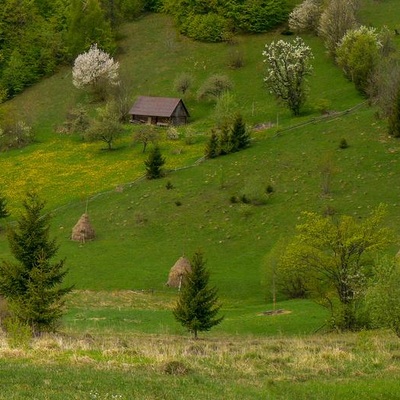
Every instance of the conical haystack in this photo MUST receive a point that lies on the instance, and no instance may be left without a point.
(178, 272)
(83, 230)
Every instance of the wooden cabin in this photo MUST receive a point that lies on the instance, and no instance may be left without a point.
(159, 111)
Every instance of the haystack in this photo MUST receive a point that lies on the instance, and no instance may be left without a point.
(83, 230)
(178, 273)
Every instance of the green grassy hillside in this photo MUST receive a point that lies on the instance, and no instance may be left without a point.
(119, 339)
(140, 230)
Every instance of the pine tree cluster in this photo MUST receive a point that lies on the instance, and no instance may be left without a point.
(229, 139)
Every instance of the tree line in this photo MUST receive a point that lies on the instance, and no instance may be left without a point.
(38, 35)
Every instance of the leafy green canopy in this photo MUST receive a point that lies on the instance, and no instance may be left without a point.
(332, 259)
(213, 21)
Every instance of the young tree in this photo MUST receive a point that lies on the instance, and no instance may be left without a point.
(183, 83)
(240, 136)
(106, 127)
(154, 164)
(338, 17)
(146, 134)
(95, 70)
(197, 306)
(334, 257)
(288, 64)
(225, 110)
(212, 149)
(32, 285)
(358, 54)
(3, 207)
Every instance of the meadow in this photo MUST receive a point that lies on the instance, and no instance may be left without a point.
(119, 338)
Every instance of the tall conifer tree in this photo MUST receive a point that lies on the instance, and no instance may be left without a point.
(32, 285)
(197, 306)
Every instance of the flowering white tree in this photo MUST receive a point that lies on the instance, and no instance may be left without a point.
(94, 69)
(288, 64)
(305, 16)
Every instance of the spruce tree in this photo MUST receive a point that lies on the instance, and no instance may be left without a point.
(212, 146)
(197, 306)
(225, 140)
(154, 164)
(240, 137)
(32, 285)
(3, 207)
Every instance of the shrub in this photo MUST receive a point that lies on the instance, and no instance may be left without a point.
(175, 368)
(235, 59)
(214, 87)
(343, 144)
(322, 106)
(19, 334)
(206, 27)
(269, 190)
(258, 16)
(183, 83)
(77, 121)
(15, 134)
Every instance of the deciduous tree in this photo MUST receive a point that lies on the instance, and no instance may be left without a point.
(334, 255)
(87, 24)
(95, 69)
(197, 307)
(337, 18)
(146, 134)
(358, 55)
(288, 64)
(106, 127)
(305, 17)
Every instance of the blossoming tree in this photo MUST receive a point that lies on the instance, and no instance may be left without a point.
(95, 69)
(288, 64)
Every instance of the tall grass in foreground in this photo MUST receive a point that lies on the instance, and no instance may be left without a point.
(169, 367)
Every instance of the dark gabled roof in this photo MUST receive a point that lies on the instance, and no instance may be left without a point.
(155, 106)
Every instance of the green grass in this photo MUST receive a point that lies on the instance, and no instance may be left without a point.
(145, 367)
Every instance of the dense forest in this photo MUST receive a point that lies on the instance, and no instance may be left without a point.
(38, 35)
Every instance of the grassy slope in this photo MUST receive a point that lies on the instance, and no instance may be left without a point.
(141, 233)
